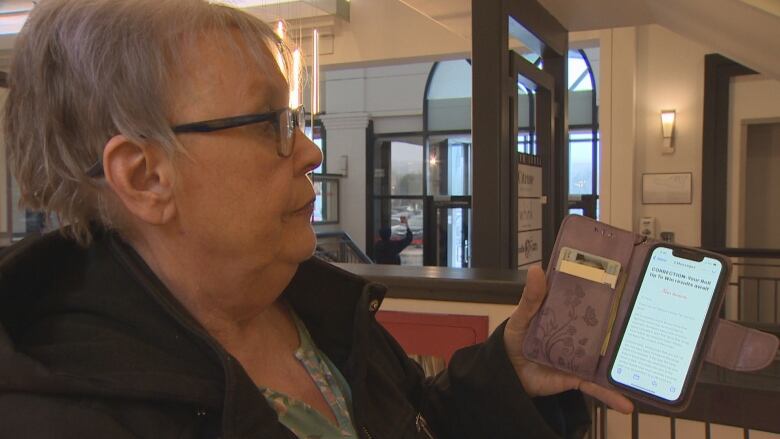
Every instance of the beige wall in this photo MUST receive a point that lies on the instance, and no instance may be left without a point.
(762, 189)
(670, 75)
(754, 99)
(617, 121)
(384, 31)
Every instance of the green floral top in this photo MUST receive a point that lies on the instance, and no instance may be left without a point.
(301, 418)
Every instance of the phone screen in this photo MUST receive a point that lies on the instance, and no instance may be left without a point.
(665, 323)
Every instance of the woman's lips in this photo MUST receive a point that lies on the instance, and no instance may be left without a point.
(307, 210)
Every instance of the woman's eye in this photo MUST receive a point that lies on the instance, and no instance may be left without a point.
(265, 129)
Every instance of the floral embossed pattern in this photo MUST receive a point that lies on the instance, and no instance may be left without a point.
(568, 331)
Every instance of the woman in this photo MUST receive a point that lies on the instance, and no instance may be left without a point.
(181, 300)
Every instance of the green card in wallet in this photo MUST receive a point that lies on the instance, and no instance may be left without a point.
(637, 315)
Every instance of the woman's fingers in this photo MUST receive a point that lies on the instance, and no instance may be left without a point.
(531, 300)
(609, 397)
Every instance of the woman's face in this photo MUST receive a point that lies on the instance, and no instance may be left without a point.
(235, 196)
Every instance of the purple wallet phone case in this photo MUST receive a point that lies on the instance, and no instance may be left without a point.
(569, 330)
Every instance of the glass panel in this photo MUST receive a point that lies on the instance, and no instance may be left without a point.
(327, 202)
(458, 223)
(525, 103)
(593, 55)
(580, 163)
(526, 116)
(449, 165)
(388, 213)
(526, 143)
(579, 76)
(406, 168)
(449, 96)
(412, 210)
(315, 135)
(517, 32)
(580, 90)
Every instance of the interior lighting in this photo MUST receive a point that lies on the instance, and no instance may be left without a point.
(668, 118)
(315, 75)
(280, 29)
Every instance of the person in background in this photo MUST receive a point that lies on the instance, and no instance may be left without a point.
(388, 251)
(181, 299)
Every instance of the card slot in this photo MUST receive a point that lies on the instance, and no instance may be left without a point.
(596, 238)
(568, 331)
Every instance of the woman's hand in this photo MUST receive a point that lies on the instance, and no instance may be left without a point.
(537, 379)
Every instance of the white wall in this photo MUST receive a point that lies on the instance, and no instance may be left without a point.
(617, 121)
(670, 75)
(385, 31)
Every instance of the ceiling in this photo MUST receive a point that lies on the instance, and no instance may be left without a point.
(747, 31)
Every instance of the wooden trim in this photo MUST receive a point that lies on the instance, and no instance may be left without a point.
(557, 189)
(729, 404)
(718, 71)
(530, 71)
(494, 149)
(370, 147)
(766, 253)
(492, 174)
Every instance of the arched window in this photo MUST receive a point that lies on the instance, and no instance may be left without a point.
(411, 168)
(448, 96)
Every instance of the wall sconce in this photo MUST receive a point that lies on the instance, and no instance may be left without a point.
(667, 129)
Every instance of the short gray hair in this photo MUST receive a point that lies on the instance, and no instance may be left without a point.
(86, 70)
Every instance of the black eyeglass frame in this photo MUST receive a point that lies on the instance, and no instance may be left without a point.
(296, 118)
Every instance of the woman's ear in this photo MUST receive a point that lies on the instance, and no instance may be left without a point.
(141, 176)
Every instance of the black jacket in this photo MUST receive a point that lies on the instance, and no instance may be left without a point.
(388, 251)
(92, 345)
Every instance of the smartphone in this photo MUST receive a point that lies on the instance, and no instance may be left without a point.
(679, 292)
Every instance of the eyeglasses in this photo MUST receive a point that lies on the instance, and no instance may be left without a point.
(285, 121)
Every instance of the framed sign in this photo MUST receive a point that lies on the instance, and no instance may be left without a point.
(529, 248)
(667, 188)
(529, 181)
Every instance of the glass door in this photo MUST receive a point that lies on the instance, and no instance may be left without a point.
(448, 230)
(398, 201)
(532, 117)
(448, 201)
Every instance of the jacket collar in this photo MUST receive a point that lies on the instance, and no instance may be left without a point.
(121, 332)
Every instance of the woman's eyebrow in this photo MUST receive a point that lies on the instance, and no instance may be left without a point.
(268, 99)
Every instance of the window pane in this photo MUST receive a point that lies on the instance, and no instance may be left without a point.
(449, 96)
(449, 165)
(406, 168)
(412, 209)
(327, 202)
(315, 135)
(580, 163)
(526, 143)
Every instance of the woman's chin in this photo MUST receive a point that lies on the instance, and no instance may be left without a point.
(302, 245)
